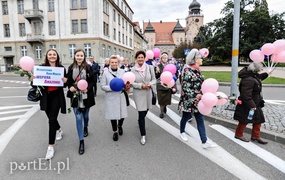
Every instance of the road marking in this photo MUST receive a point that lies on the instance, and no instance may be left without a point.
(10, 118)
(6, 137)
(251, 147)
(15, 111)
(12, 81)
(14, 107)
(217, 155)
(26, 87)
(9, 97)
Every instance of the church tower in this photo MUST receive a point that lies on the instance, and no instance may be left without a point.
(194, 21)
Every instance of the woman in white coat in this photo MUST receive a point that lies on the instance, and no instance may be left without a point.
(115, 102)
(145, 79)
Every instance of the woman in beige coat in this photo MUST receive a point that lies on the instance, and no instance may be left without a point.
(145, 79)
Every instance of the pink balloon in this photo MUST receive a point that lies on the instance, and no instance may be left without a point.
(165, 77)
(209, 99)
(204, 109)
(129, 76)
(27, 63)
(256, 56)
(171, 68)
(279, 45)
(121, 59)
(82, 84)
(268, 49)
(204, 52)
(273, 58)
(149, 54)
(170, 84)
(210, 85)
(156, 52)
(222, 98)
(280, 57)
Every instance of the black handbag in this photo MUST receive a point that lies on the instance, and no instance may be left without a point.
(153, 100)
(34, 94)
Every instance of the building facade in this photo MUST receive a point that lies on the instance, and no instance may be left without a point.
(31, 27)
(167, 35)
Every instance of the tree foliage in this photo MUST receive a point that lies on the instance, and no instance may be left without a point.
(257, 27)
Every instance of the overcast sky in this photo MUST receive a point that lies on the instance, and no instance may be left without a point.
(170, 10)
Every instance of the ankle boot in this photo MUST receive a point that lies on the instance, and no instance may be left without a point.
(85, 134)
(81, 147)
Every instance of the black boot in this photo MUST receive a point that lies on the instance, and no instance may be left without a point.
(85, 134)
(120, 128)
(81, 147)
(115, 136)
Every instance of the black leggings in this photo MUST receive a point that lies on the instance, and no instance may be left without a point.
(142, 115)
(115, 124)
(53, 106)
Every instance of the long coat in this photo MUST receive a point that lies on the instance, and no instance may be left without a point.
(115, 102)
(250, 88)
(142, 97)
(44, 100)
(90, 101)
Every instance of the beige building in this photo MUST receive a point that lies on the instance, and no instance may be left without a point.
(167, 35)
(31, 27)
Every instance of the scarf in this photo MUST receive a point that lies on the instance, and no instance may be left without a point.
(139, 68)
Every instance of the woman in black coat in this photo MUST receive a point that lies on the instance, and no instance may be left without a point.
(250, 88)
(53, 100)
(80, 100)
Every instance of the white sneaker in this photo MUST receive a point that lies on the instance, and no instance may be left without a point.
(143, 140)
(58, 135)
(50, 153)
(208, 145)
(183, 136)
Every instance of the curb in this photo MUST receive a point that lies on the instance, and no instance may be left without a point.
(265, 134)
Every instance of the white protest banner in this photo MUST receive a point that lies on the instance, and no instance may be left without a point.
(48, 76)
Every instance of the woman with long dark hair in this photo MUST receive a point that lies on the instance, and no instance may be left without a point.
(52, 101)
(80, 100)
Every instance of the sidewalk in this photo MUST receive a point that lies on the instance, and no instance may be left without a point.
(274, 126)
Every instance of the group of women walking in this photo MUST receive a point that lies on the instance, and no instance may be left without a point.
(53, 99)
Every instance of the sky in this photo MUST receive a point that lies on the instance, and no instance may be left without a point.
(171, 10)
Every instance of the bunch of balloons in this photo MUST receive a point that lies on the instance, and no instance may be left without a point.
(118, 84)
(167, 77)
(273, 52)
(151, 54)
(211, 97)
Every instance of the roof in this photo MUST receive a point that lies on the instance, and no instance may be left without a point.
(163, 32)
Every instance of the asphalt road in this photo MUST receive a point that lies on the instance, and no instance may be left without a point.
(24, 139)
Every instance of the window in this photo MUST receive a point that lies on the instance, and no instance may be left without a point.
(114, 13)
(24, 51)
(84, 27)
(52, 46)
(106, 6)
(118, 2)
(50, 5)
(123, 37)
(37, 28)
(6, 30)
(5, 7)
(122, 5)
(114, 34)
(119, 35)
(105, 29)
(38, 52)
(51, 25)
(131, 42)
(74, 26)
(73, 4)
(83, 4)
(87, 48)
(22, 29)
(35, 4)
(131, 29)
(126, 40)
(119, 19)
(20, 6)
(123, 23)
(72, 48)
(8, 48)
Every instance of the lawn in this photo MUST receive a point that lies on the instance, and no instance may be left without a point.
(225, 76)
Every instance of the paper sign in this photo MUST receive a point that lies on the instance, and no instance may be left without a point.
(48, 76)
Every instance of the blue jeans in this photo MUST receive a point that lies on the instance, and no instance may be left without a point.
(81, 115)
(200, 124)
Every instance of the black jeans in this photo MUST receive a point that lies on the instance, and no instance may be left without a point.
(115, 124)
(142, 115)
(53, 106)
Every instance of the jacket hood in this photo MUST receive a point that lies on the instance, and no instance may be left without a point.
(243, 73)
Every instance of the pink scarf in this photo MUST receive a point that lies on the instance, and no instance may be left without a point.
(139, 68)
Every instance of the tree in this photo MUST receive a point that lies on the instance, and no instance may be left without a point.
(257, 27)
